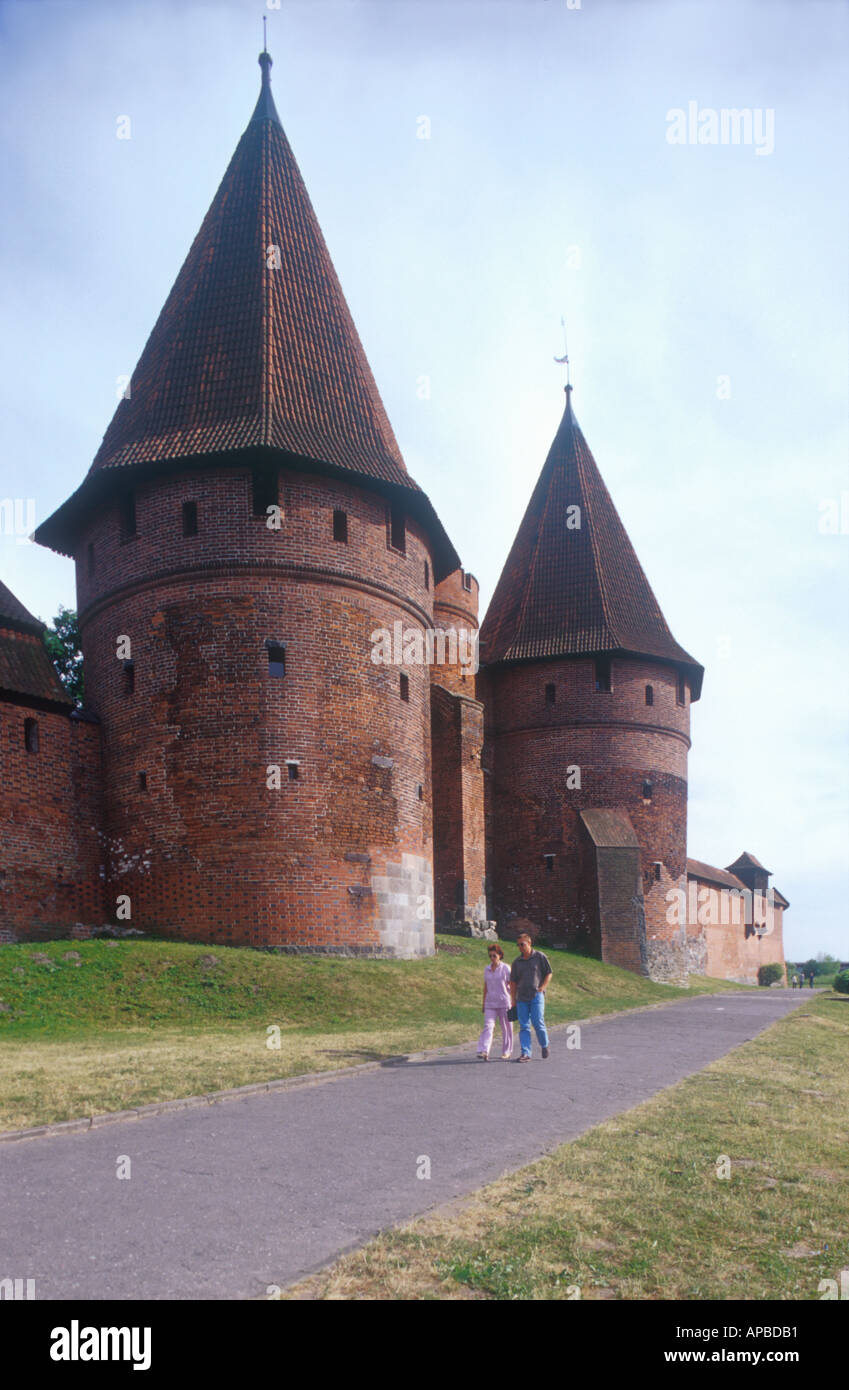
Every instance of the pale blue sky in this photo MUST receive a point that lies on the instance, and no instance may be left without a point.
(547, 186)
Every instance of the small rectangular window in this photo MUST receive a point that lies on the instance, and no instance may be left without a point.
(602, 676)
(264, 491)
(340, 526)
(190, 518)
(549, 863)
(467, 581)
(420, 792)
(142, 781)
(682, 690)
(129, 678)
(649, 695)
(294, 770)
(397, 530)
(31, 735)
(647, 791)
(550, 694)
(657, 868)
(405, 687)
(427, 575)
(128, 515)
(276, 659)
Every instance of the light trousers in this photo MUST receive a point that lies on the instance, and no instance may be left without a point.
(485, 1039)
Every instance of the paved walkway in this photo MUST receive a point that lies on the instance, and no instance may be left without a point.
(227, 1199)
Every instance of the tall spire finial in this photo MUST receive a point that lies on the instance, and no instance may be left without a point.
(264, 36)
(564, 360)
(265, 108)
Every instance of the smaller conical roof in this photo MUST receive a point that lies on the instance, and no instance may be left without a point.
(572, 584)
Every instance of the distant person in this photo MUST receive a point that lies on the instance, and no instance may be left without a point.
(811, 978)
(496, 1003)
(530, 977)
(795, 982)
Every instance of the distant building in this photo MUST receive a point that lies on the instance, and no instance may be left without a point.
(285, 744)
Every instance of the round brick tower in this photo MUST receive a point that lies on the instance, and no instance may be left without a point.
(587, 697)
(245, 539)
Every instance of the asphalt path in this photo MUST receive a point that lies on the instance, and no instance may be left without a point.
(230, 1200)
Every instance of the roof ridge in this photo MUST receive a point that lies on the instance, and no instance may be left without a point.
(587, 499)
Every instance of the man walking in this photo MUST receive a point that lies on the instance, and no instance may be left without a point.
(530, 977)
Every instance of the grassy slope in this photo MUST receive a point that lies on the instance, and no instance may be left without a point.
(635, 1209)
(94, 1026)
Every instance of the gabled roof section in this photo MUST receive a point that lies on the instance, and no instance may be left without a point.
(747, 861)
(255, 348)
(575, 590)
(14, 615)
(27, 675)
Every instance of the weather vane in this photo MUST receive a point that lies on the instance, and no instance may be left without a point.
(564, 360)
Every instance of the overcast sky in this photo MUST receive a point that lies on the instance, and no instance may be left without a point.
(704, 287)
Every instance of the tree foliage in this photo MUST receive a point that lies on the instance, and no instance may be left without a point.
(62, 640)
(771, 973)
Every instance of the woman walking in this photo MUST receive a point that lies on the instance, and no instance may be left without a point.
(496, 1004)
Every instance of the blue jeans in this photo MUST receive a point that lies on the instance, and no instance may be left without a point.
(532, 1013)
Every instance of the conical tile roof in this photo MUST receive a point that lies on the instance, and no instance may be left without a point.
(255, 347)
(569, 590)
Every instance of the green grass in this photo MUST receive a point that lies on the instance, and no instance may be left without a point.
(636, 1208)
(99, 1025)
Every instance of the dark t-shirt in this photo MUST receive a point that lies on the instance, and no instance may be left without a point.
(528, 975)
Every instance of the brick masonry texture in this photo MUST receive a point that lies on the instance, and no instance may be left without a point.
(546, 762)
(211, 847)
(51, 843)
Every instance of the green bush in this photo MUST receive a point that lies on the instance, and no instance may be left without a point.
(841, 982)
(768, 974)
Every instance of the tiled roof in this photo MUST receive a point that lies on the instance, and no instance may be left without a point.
(255, 347)
(13, 614)
(709, 873)
(572, 591)
(27, 671)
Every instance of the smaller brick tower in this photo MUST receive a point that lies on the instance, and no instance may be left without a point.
(587, 696)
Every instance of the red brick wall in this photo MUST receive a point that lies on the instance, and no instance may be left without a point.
(456, 607)
(49, 826)
(340, 858)
(617, 741)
